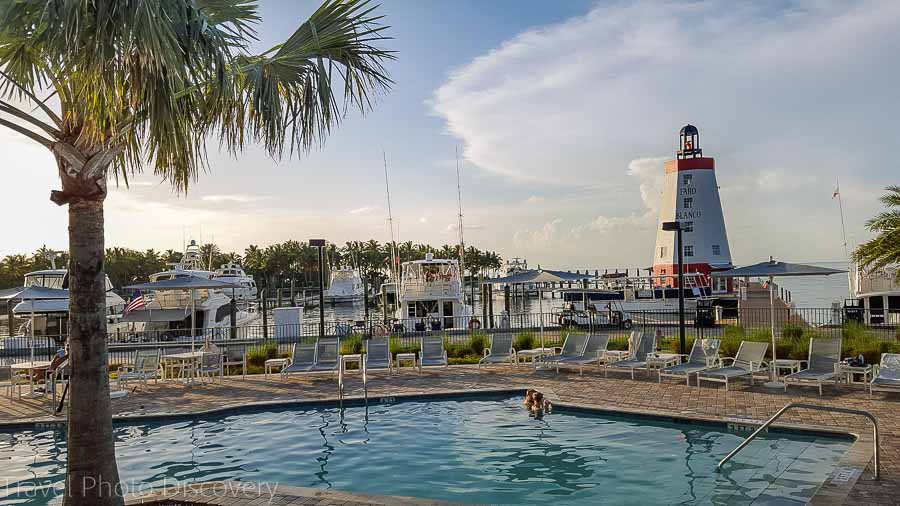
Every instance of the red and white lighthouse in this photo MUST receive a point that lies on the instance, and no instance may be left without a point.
(691, 196)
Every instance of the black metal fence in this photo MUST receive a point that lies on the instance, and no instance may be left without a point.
(752, 323)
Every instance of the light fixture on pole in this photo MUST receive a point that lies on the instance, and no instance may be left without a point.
(320, 244)
(675, 226)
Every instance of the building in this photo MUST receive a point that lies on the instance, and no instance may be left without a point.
(691, 196)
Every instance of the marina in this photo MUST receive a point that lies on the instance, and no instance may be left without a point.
(557, 294)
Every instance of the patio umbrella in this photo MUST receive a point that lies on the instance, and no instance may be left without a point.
(539, 276)
(32, 293)
(186, 283)
(772, 269)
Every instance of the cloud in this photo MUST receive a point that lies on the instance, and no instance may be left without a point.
(423, 220)
(535, 199)
(539, 238)
(364, 210)
(236, 198)
(454, 227)
(788, 96)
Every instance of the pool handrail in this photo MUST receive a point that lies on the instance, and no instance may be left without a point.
(817, 407)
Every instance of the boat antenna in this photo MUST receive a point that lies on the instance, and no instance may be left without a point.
(837, 194)
(387, 187)
(462, 241)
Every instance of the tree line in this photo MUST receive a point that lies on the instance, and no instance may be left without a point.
(272, 266)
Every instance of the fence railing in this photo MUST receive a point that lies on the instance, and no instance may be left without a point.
(817, 322)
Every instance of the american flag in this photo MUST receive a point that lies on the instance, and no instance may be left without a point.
(136, 303)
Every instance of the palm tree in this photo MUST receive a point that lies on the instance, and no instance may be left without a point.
(136, 82)
(884, 249)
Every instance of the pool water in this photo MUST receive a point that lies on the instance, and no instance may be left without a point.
(475, 451)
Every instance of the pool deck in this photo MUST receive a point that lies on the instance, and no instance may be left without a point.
(742, 404)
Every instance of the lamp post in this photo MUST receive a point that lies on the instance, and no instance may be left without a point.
(675, 226)
(320, 244)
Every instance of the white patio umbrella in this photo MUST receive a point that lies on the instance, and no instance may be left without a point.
(32, 293)
(187, 283)
(540, 277)
(772, 269)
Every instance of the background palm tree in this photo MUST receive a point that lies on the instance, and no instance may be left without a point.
(135, 82)
(884, 249)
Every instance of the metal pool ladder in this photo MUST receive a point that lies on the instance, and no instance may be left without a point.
(816, 407)
(362, 365)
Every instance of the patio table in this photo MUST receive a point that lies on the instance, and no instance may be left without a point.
(31, 367)
(182, 359)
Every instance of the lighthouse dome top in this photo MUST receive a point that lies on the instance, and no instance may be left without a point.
(689, 130)
(689, 142)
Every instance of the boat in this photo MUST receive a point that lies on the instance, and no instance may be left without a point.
(166, 314)
(51, 316)
(621, 300)
(875, 296)
(515, 266)
(233, 273)
(431, 296)
(344, 285)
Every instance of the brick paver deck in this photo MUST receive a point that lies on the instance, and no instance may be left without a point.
(618, 392)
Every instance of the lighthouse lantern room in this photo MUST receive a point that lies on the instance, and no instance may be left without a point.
(691, 197)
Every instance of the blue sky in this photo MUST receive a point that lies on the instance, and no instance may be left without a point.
(563, 113)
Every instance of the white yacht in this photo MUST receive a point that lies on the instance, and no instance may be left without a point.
(51, 315)
(234, 273)
(431, 295)
(344, 285)
(166, 314)
(876, 296)
(516, 265)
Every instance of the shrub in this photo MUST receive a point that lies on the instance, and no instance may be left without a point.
(400, 345)
(351, 344)
(524, 341)
(258, 355)
(478, 342)
(618, 344)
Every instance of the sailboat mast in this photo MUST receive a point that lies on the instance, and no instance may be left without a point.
(837, 192)
(462, 241)
(387, 187)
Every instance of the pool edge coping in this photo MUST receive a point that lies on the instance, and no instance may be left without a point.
(833, 491)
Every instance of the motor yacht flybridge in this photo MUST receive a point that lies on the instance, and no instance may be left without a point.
(431, 295)
(875, 296)
(166, 314)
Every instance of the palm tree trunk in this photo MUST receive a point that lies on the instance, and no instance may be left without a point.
(93, 477)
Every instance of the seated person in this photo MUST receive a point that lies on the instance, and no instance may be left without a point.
(540, 404)
(529, 398)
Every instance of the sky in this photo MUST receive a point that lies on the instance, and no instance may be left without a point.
(563, 114)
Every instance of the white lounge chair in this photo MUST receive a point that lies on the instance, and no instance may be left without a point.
(303, 358)
(145, 367)
(501, 351)
(327, 356)
(748, 361)
(573, 347)
(888, 377)
(643, 344)
(378, 354)
(704, 355)
(433, 352)
(824, 356)
(594, 349)
(235, 357)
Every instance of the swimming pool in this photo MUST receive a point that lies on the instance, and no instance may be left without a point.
(479, 450)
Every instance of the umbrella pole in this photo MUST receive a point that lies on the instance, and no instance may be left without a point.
(193, 318)
(541, 315)
(32, 330)
(774, 383)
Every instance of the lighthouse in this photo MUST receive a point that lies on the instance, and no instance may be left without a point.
(691, 197)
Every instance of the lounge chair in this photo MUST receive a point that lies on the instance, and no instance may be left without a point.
(327, 356)
(303, 358)
(643, 344)
(824, 356)
(704, 355)
(433, 352)
(573, 347)
(747, 362)
(501, 351)
(145, 367)
(378, 354)
(9, 379)
(594, 349)
(888, 377)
